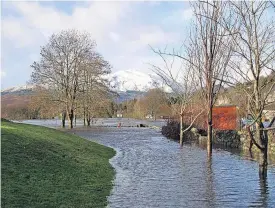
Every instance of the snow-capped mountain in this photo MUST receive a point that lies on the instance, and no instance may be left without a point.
(128, 80)
(128, 83)
(131, 80)
(18, 89)
(134, 80)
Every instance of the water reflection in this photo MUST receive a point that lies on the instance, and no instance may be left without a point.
(264, 190)
(262, 197)
(246, 154)
(210, 193)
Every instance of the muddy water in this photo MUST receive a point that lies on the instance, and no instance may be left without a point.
(152, 171)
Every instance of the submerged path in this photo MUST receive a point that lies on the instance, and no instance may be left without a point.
(152, 171)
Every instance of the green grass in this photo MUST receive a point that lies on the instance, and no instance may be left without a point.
(43, 167)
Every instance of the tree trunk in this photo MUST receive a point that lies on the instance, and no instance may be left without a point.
(263, 162)
(71, 118)
(263, 154)
(63, 119)
(181, 129)
(84, 117)
(88, 119)
(209, 132)
(75, 120)
(260, 139)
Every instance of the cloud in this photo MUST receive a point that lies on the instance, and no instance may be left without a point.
(121, 30)
(187, 14)
(114, 36)
(180, 16)
(2, 73)
(37, 22)
(27, 25)
(140, 39)
(157, 36)
(15, 31)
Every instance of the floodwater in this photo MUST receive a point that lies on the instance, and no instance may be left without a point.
(103, 122)
(152, 171)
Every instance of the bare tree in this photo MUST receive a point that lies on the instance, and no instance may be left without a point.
(154, 99)
(182, 85)
(140, 108)
(254, 55)
(41, 101)
(61, 66)
(94, 86)
(207, 53)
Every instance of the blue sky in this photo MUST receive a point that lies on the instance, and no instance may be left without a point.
(122, 30)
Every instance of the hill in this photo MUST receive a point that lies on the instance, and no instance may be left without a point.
(128, 95)
(43, 167)
(19, 90)
(15, 101)
(129, 84)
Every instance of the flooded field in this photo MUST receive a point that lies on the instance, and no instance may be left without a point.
(109, 122)
(152, 171)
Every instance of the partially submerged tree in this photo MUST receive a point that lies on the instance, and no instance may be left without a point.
(65, 61)
(94, 87)
(183, 86)
(207, 54)
(254, 58)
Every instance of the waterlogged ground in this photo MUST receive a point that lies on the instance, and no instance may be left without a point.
(152, 171)
(109, 122)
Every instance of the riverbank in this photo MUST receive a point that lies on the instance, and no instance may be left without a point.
(43, 167)
(231, 140)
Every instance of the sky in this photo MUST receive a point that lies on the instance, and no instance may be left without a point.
(122, 30)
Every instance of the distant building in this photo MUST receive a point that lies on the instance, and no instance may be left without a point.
(149, 116)
(119, 114)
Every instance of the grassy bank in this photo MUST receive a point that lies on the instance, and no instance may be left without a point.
(43, 167)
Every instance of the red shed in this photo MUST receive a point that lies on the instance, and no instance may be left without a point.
(225, 117)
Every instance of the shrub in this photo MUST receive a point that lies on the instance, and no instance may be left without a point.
(172, 131)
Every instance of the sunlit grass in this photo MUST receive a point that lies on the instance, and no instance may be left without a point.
(43, 167)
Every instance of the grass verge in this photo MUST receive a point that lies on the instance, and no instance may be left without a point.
(43, 167)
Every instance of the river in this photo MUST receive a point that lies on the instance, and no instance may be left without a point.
(152, 171)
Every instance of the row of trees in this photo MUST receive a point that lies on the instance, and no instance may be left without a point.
(154, 103)
(230, 43)
(72, 75)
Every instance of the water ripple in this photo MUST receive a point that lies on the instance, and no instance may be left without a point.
(152, 171)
